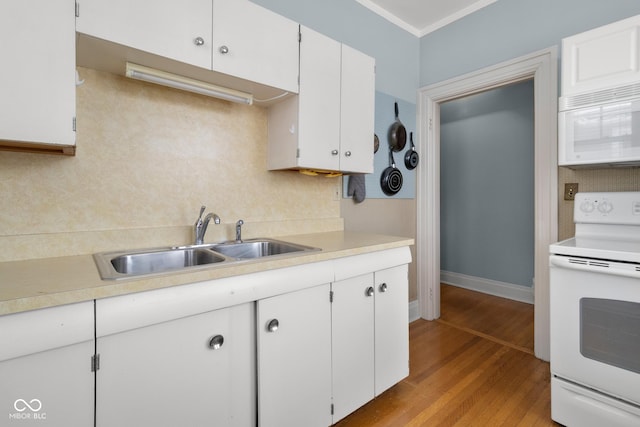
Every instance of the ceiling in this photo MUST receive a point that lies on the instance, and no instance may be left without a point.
(420, 17)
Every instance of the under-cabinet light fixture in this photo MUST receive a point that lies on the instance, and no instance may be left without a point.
(175, 81)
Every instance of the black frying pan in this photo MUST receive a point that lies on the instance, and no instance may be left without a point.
(397, 134)
(411, 157)
(391, 178)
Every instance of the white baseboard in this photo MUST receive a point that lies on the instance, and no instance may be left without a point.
(414, 310)
(488, 286)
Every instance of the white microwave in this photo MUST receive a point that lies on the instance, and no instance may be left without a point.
(598, 134)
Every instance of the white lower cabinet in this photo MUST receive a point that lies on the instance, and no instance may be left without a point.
(370, 341)
(391, 327)
(272, 349)
(192, 371)
(45, 367)
(294, 359)
(352, 344)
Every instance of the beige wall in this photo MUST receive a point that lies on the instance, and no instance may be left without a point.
(396, 217)
(147, 158)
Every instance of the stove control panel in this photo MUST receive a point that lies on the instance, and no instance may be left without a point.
(607, 208)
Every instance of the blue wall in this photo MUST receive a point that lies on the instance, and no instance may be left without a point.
(487, 185)
(508, 29)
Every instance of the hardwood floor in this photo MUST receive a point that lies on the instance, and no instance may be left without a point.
(473, 367)
(503, 320)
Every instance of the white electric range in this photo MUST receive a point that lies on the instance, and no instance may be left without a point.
(595, 314)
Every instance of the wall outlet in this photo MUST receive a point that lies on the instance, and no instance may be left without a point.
(570, 191)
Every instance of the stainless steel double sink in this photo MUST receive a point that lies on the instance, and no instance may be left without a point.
(123, 264)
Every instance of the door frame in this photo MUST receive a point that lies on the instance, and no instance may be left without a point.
(542, 67)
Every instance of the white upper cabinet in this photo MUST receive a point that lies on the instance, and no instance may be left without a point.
(602, 58)
(37, 78)
(236, 38)
(357, 111)
(179, 30)
(254, 43)
(329, 126)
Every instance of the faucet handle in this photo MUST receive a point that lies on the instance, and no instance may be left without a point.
(202, 208)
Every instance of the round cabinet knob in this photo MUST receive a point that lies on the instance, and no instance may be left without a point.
(198, 41)
(369, 291)
(383, 287)
(334, 152)
(347, 153)
(273, 325)
(224, 50)
(216, 342)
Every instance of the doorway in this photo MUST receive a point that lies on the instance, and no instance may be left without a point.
(486, 191)
(542, 68)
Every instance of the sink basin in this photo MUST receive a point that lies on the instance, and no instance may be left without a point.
(258, 248)
(123, 264)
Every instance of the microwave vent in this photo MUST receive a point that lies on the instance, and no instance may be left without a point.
(599, 97)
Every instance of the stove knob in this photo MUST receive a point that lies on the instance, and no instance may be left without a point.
(605, 207)
(587, 206)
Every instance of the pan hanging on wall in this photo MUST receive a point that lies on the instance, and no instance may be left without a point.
(411, 157)
(397, 133)
(391, 178)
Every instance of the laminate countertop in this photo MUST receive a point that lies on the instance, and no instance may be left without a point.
(48, 282)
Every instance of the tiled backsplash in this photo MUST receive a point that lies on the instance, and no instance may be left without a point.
(147, 158)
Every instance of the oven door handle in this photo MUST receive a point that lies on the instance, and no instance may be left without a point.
(596, 266)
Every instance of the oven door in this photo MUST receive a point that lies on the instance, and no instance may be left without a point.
(595, 324)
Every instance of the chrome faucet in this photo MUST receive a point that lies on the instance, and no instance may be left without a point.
(239, 231)
(200, 227)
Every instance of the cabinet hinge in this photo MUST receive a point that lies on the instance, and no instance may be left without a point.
(299, 36)
(95, 362)
(77, 10)
(430, 124)
(73, 124)
(297, 153)
(332, 409)
(330, 296)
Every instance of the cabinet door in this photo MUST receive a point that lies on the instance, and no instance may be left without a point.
(172, 374)
(391, 327)
(45, 367)
(52, 388)
(294, 359)
(167, 28)
(352, 313)
(37, 78)
(605, 57)
(357, 111)
(319, 102)
(256, 44)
